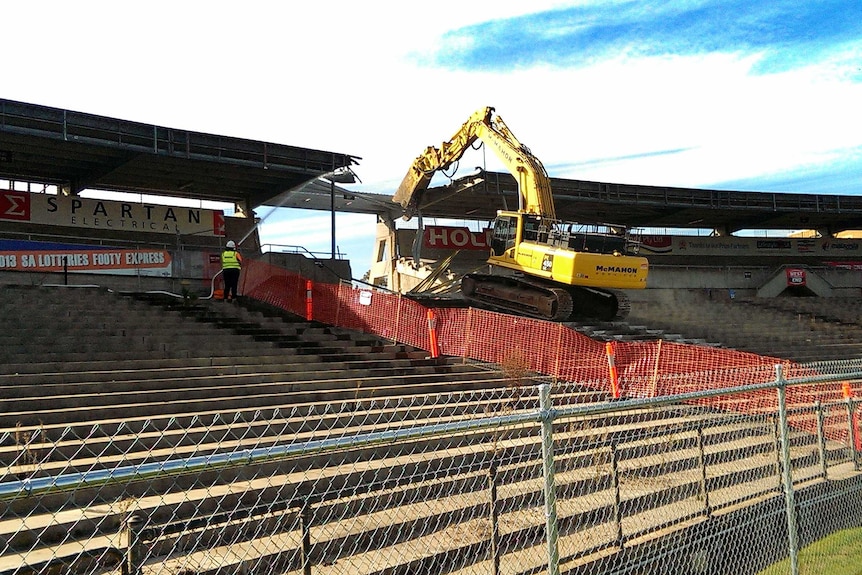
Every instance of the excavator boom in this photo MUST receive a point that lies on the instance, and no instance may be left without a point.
(534, 186)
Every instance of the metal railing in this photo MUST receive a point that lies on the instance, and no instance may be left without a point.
(511, 480)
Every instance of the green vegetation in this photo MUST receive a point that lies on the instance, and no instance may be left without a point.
(838, 554)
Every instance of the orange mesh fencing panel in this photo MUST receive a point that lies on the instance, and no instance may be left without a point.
(581, 359)
(485, 336)
(454, 331)
(659, 368)
(412, 327)
(642, 368)
(362, 309)
(540, 346)
(273, 285)
(325, 303)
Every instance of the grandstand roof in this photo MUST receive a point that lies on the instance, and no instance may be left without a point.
(479, 196)
(80, 151)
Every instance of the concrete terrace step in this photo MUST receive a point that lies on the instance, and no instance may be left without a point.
(68, 348)
(233, 384)
(269, 357)
(225, 354)
(489, 395)
(44, 374)
(165, 350)
(91, 407)
(492, 396)
(63, 449)
(136, 312)
(284, 328)
(224, 395)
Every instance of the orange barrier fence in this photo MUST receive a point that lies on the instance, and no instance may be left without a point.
(641, 368)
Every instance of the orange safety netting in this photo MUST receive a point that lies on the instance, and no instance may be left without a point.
(644, 368)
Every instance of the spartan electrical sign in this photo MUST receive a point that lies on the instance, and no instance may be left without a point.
(77, 212)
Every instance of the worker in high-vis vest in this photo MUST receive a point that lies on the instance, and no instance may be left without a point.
(231, 264)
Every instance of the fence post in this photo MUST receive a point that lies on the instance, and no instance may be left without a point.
(821, 439)
(852, 420)
(494, 517)
(468, 337)
(551, 527)
(787, 471)
(134, 528)
(704, 484)
(618, 500)
(852, 435)
(654, 382)
(558, 351)
(432, 334)
(776, 441)
(305, 527)
(610, 350)
(309, 301)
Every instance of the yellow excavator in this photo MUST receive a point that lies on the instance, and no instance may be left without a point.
(540, 267)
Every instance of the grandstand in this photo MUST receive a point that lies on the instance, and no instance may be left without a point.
(320, 428)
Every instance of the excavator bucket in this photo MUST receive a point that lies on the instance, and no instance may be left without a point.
(410, 190)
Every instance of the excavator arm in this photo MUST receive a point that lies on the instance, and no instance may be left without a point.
(534, 186)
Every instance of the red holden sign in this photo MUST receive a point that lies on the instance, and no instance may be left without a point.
(795, 277)
(451, 238)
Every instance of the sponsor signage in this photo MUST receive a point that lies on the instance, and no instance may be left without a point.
(37, 257)
(853, 266)
(461, 238)
(89, 213)
(454, 238)
(658, 245)
(15, 206)
(795, 277)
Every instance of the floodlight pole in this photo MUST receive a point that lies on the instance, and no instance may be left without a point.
(332, 213)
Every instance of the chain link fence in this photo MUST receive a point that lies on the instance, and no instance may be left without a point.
(531, 477)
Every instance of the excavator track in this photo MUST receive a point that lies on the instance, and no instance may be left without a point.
(518, 296)
(552, 302)
(598, 304)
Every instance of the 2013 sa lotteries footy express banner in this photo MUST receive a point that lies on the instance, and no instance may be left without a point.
(30, 256)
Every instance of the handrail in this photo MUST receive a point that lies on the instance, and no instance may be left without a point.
(292, 249)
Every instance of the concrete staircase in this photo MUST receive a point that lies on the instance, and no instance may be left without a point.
(771, 327)
(91, 379)
(98, 380)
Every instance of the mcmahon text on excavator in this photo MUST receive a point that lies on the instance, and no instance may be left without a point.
(540, 266)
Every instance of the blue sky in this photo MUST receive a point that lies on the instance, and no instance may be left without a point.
(748, 95)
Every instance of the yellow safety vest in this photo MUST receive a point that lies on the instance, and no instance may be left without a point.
(230, 260)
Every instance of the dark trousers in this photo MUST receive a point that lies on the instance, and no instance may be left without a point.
(231, 281)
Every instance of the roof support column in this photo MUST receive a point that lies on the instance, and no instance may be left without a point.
(241, 209)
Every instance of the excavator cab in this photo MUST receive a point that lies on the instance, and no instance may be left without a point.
(504, 234)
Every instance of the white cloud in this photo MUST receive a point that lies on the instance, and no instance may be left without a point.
(297, 230)
(341, 76)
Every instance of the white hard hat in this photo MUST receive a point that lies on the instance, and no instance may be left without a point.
(230, 244)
